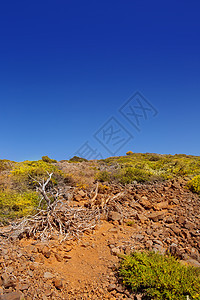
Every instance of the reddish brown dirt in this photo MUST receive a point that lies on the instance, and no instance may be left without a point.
(160, 217)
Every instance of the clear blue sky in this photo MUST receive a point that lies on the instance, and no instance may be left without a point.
(67, 67)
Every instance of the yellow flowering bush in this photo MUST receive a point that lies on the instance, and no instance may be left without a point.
(194, 184)
(14, 204)
(25, 172)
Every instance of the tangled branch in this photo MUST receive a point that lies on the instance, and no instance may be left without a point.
(58, 217)
(61, 219)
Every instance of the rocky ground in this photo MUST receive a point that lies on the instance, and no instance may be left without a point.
(161, 217)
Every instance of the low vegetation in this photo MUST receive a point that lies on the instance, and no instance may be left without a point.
(18, 196)
(194, 184)
(145, 167)
(77, 159)
(24, 173)
(18, 179)
(131, 174)
(103, 176)
(155, 276)
(6, 164)
(160, 277)
(48, 160)
(14, 204)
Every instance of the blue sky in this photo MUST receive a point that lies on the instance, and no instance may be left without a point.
(67, 67)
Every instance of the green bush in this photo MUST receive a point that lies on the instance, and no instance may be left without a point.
(154, 157)
(129, 174)
(24, 173)
(77, 159)
(14, 204)
(48, 160)
(151, 165)
(159, 277)
(194, 184)
(103, 176)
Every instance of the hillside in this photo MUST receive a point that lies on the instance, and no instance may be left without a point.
(98, 211)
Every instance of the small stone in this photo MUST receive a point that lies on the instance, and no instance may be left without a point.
(149, 244)
(145, 202)
(45, 251)
(174, 250)
(1, 291)
(175, 201)
(48, 275)
(139, 237)
(161, 205)
(193, 262)
(139, 296)
(156, 216)
(158, 248)
(58, 257)
(111, 287)
(169, 220)
(58, 284)
(181, 220)
(81, 193)
(9, 270)
(24, 287)
(114, 216)
(7, 281)
(30, 273)
(77, 198)
(12, 296)
(85, 245)
(67, 256)
(189, 225)
(48, 292)
(158, 242)
(195, 254)
(116, 251)
(141, 218)
(113, 230)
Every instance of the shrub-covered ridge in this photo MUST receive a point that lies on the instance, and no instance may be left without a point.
(144, 167)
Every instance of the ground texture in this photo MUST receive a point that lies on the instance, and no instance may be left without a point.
(161, 217)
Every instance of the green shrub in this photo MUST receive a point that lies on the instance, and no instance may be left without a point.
(77, 159)
(194, 184)
(48, 160)
(161, 166)
(130, 223)
(129, 175)
(160, 277)
(14, 204)
(154, 157)
(103, 176)
(24, 173)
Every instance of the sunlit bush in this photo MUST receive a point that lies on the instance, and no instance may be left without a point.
(129, 175)
(25, 172)
(77, 159)
(194, 184)
(103, 176)
(14, 204)
(160, 277)
(155, 165)
(48, 160)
